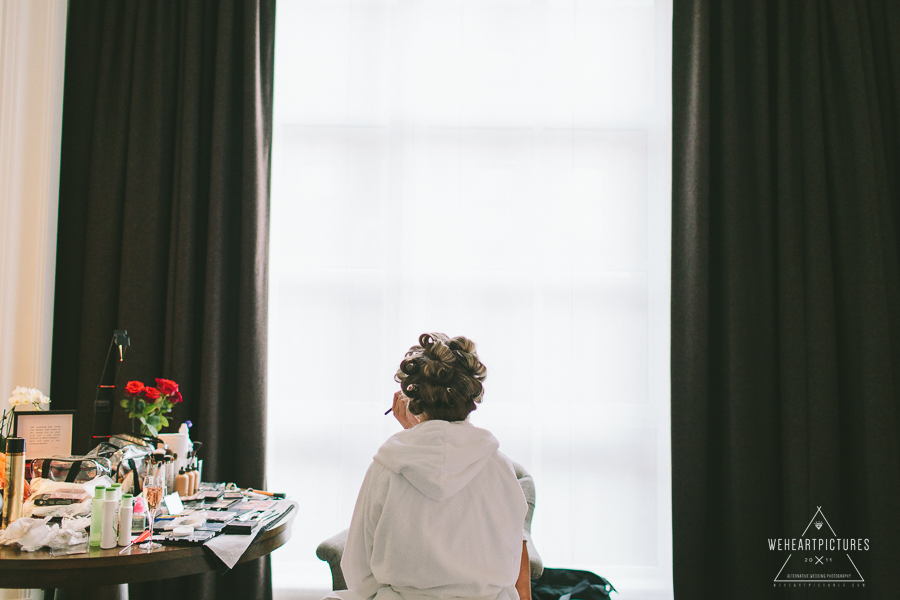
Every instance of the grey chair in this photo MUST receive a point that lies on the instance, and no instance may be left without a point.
(332, 549)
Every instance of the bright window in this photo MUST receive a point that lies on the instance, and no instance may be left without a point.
(498, 169)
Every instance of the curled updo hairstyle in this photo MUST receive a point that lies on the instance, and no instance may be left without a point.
(442, 377)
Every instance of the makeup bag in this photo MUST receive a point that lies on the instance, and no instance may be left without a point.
(125, 453)
(71, 469)
(569, 584)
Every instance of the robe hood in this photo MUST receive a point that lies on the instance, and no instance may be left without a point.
(438, 458)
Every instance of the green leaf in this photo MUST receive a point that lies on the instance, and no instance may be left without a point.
(163, 422)
(139, 406)
(123, 402)
(148, 428)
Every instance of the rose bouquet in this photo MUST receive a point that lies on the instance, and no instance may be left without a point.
(150, 405)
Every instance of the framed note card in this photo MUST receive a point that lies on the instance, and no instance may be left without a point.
(46, 432)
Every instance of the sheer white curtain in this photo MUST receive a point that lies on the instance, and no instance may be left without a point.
(498, 169)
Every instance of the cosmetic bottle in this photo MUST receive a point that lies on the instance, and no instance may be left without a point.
(139, 517)
(126, 514)
(108, 533)
(181, 483)
(169, 472)
(180, 445)
(189, 479)
(159, 466)
(198, 466)
(97, 515)
(195, 478)
(15, 481)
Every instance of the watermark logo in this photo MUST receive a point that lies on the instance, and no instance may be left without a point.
(819, 558)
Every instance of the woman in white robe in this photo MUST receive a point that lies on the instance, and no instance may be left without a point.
(440, 514)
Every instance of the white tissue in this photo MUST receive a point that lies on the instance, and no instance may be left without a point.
(64, 510)
(195, 519)
(32, 534)
(38, 537)
(75, 524)
(17, 529)
(103, 481)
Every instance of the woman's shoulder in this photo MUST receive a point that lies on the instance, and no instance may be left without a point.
(377, 470)
(505, 466)
(376, 475)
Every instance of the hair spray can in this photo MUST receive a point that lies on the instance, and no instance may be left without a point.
(15, 481)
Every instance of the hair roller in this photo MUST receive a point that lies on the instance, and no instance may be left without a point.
(477, 393)
(463, 344)
(415, 406)
(442, 377)
(464, 359)
(444, 373)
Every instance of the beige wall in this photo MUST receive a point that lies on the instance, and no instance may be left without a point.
(32, 52)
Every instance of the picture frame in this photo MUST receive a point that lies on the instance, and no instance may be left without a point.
(47, 432)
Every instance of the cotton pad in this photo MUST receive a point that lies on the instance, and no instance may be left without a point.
(182, 531)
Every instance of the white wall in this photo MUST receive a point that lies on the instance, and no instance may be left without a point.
(32, 53)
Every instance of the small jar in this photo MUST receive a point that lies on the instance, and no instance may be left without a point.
(138, 523)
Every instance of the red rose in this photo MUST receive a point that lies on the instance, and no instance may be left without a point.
(166, 386)
(151, 393)
(176, 397)
(134, 388)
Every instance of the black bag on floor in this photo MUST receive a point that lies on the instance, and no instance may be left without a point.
(568, 584)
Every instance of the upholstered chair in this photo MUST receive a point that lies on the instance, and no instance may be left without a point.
(332, 549)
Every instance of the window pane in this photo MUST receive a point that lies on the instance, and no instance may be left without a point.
(497, 169)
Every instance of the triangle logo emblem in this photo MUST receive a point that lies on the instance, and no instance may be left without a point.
(819, 556)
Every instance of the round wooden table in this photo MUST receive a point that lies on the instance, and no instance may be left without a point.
(41, 570)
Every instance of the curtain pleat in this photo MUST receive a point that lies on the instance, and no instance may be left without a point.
(785, 289)
(164, 207)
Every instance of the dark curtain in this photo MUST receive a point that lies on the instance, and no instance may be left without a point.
(785, 289)
(163, 226)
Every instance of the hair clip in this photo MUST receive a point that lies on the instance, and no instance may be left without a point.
(411, 387)
(448, 390)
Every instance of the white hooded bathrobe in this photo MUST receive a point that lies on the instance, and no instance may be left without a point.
(440, 515)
